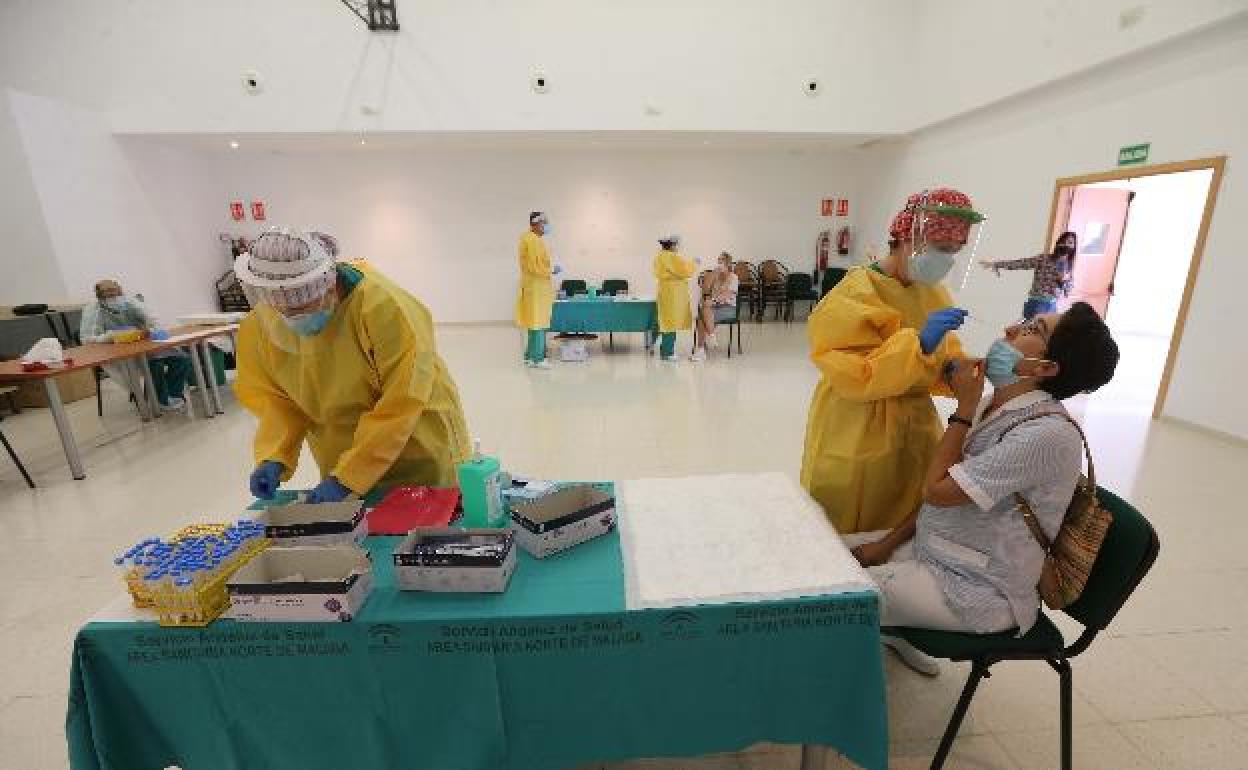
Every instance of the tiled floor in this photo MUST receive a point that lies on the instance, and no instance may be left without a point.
(1164, 688)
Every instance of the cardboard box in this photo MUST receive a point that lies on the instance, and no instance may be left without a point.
(73, 386)
(455, 560)
(573, 350)
(301, 584)
(562, 519)
(315, 524)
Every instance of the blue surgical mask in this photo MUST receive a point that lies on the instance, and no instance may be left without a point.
(930, 265)
(115, 304)
(547, 229)
(309, 324)
(1000, 362)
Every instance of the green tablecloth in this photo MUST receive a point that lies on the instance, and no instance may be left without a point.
(603, 315)
(554, 673)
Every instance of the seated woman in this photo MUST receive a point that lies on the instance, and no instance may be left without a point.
(719, 303)
(967, 561)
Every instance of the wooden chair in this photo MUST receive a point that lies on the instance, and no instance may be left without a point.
(747, 288)
(773, 286)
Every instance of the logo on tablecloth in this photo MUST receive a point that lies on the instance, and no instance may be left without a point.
(680, 625)
(384, 637)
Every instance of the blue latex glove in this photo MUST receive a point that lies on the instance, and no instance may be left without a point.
(158, 335)
(265, 478)
(330, 490)
(940, 323)
(556, 270)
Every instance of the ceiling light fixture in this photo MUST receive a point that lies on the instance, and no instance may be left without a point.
(233, 145)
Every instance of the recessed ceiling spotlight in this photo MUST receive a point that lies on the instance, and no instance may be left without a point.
(233, 145)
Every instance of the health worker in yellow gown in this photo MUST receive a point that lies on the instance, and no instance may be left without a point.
(880, 339)
(337, 354)
(672, 271)
(537, 296)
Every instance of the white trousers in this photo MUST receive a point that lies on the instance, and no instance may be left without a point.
(910, 593)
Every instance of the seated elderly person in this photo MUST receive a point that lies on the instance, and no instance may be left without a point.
(112, 312)
(966, 561)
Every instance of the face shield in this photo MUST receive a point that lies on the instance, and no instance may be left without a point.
(944, 231)
(290, 280)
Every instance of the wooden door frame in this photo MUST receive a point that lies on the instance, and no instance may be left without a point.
(1217, 164)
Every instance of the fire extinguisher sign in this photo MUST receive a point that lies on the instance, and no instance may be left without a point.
(827, 207)
(257, 210)
(236, 211)
(842, 207)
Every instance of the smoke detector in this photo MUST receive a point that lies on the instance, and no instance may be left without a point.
(252, 82)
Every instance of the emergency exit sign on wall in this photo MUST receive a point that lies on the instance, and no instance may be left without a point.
(1133, 154)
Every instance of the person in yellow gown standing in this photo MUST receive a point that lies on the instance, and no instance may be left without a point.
(880, 340)
(537, 296)
(672, 271)
(337, 354)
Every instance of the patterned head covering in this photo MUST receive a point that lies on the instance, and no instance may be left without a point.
(287, 268)
(947, 216)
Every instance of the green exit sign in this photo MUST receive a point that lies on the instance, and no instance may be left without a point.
(1133, 154)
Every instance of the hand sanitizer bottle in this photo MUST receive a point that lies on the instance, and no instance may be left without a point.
(480, 485)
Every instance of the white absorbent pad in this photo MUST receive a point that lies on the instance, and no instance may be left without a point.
(728, 538)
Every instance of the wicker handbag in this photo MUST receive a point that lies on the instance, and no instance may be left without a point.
(1069, 558)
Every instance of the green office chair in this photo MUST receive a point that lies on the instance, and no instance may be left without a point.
(573, 286)
(1129, 550)
(613, 286)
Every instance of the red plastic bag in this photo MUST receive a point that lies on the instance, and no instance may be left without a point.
(406, 507)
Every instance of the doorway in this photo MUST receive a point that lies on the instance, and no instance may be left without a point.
(1140, 236)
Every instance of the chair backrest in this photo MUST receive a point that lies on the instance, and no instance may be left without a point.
(831, 277)
(747, 275)
(800, 281)
(702, 276)
(1129, 550)
(772, 271)
(614, 286)
(572, 286)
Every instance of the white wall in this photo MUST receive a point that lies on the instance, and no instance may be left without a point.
(445, 223)
(30, 267)
(176, 65)
(1179, 97)
(976, 52)
(100, 218)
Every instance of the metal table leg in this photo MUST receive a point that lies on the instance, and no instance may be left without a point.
(211, 374)
(201, 384)
(62, 427)
(153, 403)
(134, 383)
(813, 756)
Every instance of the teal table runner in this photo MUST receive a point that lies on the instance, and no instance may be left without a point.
(554, 673)
(603, 315)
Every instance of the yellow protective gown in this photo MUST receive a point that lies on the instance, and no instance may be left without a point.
(673, 273)
(872, 427)
(536, 294)
(369, 392)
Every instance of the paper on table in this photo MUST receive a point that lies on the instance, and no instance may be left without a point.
(728, 538)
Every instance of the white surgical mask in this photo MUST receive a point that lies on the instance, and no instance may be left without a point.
(930, 265)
